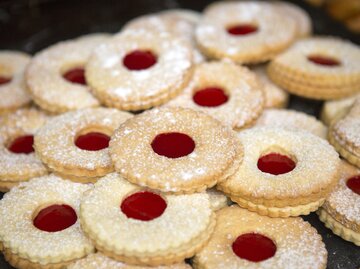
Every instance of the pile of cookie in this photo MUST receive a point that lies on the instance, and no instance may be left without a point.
(124, 151)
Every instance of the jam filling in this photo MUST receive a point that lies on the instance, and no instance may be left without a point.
(55, 218)
(210, 97)
(143, 206)
(173, 145)
(323, 60)
(92, 141)
(22, 144)
(4, 80)
(242, 29)
(354, 184)
(139, 60)
(254, 247)
(276, 164)
(76, 75)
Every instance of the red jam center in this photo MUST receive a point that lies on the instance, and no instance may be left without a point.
(323, 60)
(173, 145)
(55, 218)
(276, 164)
(4, 80)
(139, 60)
(242, 29)
(22, 144)
(354, 184)
(211, 97)
(75, 75)
(254, 247)
(92, 141)
(143, 206)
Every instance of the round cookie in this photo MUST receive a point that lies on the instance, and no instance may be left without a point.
(12, 87)
(341, 210)
(139, 226)
(55, 76)
(39, 228)
(277, 177)
(175, 149)
(75, 144)
(292, 120)
(217, 199)
(245, 32)
(17, 159)
(139, 69)
(234, 96)
(243, 239)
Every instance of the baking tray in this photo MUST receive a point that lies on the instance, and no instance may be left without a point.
(35, 24)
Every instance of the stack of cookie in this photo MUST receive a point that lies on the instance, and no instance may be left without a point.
(135, 143)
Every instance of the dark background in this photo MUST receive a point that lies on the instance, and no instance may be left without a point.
(35, 24)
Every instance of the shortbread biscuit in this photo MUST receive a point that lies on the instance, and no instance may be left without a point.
(39, 228)
(234, 96)
(175, 149)
(243, 239)
(277, 176)
(341, 210)
(12, 86)
(142, 227)
(17, 159)
(75, 144)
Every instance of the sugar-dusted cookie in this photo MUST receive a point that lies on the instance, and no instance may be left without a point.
(140, 226)
(218, 199)
(175, 149)
(39, 227)
(284, 173)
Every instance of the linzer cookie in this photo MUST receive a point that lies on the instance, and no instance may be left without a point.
(243, 239)
(292, 120)
(139, 226)
(245, 32)
(17, 159)
(175, 150)
(75, 144)
(319, 68)
(218, 200)
(39, 227)
(139, 69)
(55, 77)
(344, 135)
(341, 210)
(278, 176)
(233, 96)
(12, 87)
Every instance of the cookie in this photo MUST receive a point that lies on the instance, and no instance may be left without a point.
(218, 200)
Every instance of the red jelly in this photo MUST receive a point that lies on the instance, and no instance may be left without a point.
(354, 184)
(22, 144)
(323, 60)
(139, 60)
(4, 80)
(143, 206)
(276, 164)
(173, 145)
(92, 141)
(210, 97)
(76, 75)
(55, 218)
(254, 247)
(242, 29)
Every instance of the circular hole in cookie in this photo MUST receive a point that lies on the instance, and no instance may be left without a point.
(254, 247)
(4, 80)
(139, 60)
(210, 97)
(144, 205)
(22, 144)
(353, 184)
(75, 75)
(276, 163)
(92, 141)
(242, 29)
(55, 218)
(323, 60)
(173, 145)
